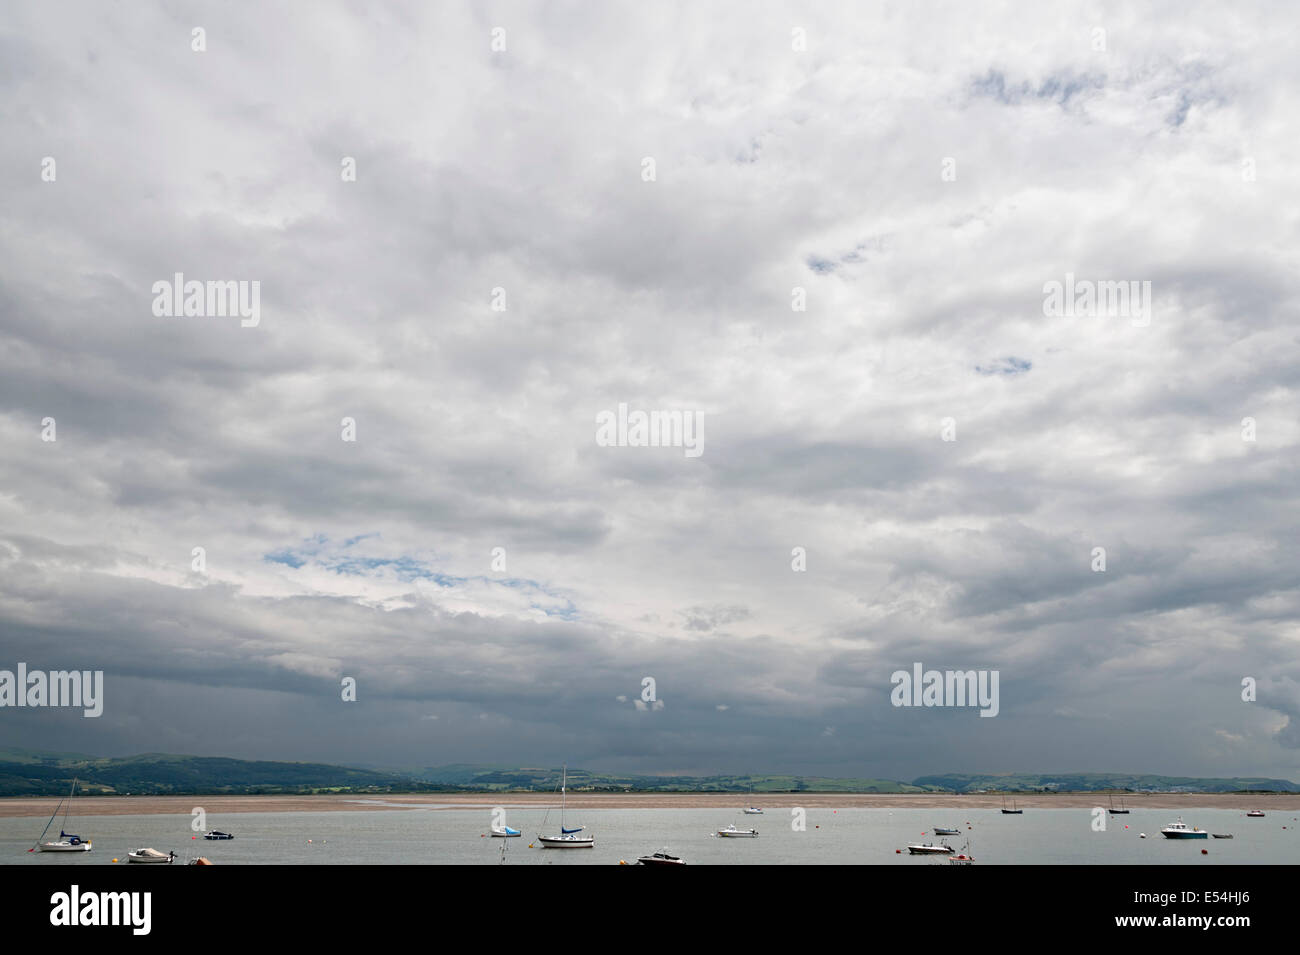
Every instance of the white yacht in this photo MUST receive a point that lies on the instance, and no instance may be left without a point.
(568, 838)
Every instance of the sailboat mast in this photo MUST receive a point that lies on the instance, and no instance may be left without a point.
(71, 793)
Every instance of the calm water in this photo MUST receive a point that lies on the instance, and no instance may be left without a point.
(846, 836)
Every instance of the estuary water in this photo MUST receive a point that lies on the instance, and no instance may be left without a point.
(424, 836)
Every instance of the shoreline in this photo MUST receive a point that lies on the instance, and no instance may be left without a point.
(35, 806)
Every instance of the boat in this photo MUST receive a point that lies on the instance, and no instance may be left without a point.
(751, 811)
(929, 849)
(940, 831)
(1013, 811)
(505, 832)
(660, 858)
(1180, 830)
(217, 834)
(731, 832)
(568, 838)
(1121, 811)
(1222, 835)
(964, 857)
(1255, 814)
(201, 860)
(67, 841)
(151, 856)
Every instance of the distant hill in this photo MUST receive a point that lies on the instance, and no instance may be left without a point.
(1102, 782)
(37, 773)
(482, 778)
(32, 773)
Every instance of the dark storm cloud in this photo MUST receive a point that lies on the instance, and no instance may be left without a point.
(499, 583)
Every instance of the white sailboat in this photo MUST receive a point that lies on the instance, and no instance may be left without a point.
(568, 838)
(67, 842)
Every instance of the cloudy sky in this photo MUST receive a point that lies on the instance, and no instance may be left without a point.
(920, 173)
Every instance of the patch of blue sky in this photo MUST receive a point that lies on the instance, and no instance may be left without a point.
(1010, 365)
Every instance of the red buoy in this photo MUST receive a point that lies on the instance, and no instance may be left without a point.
(1205, 852)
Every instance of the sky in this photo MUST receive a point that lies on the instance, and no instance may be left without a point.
(823, 234)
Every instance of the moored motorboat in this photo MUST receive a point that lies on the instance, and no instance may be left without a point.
(150, 856)
(1255, 814)
(1222, 835)
(1180, 830)
(940, 831)
(217, 834)
(927, 848)
(660, 858)
(752, 811)
(731, 832)
(201, 860)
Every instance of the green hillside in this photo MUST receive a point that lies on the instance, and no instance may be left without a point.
(1103, 782)
(27, 773)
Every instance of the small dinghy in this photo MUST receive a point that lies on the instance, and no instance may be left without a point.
(505, 832)
(753, 811)
(151, 856)
(1222, 835)
(940, 831)
(217, 834)
(202, 860)
(1255, 814)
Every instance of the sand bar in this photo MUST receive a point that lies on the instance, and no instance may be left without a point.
(148, 805)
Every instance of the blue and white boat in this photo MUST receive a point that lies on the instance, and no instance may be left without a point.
(67, 841)
(505, 832)
(568, 838)
(1180, 830)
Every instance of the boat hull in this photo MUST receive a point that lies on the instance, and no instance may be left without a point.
(930, 850)
(561, 842)
(505, 833)
(738, 833)
(148, 860)
(64, 847)
(1190, 834)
